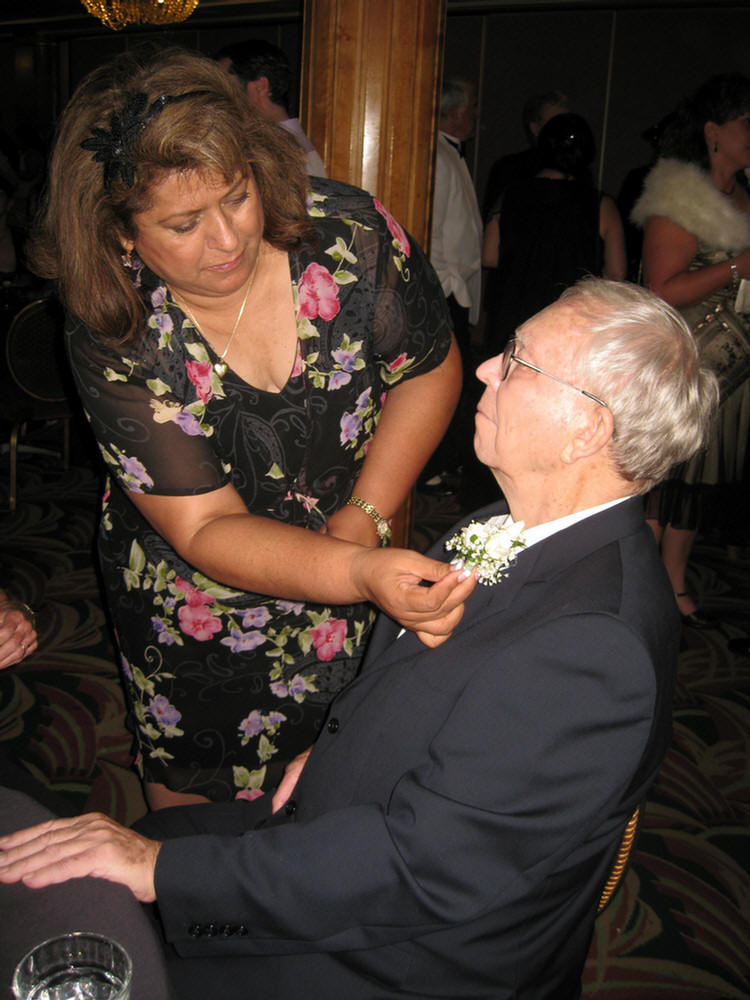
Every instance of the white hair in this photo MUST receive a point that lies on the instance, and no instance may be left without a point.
(642, 360)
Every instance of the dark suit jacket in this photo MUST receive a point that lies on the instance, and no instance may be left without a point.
(452, 829)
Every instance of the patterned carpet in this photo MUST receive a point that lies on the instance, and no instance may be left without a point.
(680, 925)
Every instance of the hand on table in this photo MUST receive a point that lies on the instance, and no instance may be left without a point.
(92, 844)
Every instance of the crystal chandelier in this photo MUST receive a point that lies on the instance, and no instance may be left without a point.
(117, 14)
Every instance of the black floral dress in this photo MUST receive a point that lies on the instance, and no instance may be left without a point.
(226, 686)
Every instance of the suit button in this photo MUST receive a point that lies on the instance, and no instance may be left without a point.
(195, 930)
(227, 930)
(290, 808)
(210, 930)
(333, 726)
(242, 931)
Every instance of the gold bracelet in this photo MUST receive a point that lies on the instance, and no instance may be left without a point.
(382, 527)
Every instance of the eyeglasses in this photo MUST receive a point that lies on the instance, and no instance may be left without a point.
(509, 357)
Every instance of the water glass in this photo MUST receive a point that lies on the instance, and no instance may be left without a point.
(78, 966)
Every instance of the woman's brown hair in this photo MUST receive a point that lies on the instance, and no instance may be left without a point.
(78, 237)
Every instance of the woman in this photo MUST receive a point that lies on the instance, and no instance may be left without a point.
(234, 338)
(695, 211)
(550, 230)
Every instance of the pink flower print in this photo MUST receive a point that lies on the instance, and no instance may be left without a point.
(193, 597)
(397, 362)
(199, 373)
(249, 794)
(198, 622)
(328, 637)
(394, 228)
(299, 365)
(318, 293)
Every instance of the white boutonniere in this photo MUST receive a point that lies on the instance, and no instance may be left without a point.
(488, 547)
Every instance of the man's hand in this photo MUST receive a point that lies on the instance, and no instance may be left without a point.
(291, 776)
(93, 844)
(17, 634)
(393, 579)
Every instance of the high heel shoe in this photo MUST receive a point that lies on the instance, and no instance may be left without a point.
(695, 619)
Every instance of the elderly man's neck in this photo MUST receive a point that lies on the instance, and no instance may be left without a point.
(549, 499)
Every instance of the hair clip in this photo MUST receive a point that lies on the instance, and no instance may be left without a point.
(114, 148)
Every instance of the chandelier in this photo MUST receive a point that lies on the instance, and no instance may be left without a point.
(117, 14)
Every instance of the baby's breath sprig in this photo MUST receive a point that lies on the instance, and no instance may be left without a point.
(488, 547)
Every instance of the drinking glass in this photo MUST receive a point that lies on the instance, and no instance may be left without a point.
(78, 966)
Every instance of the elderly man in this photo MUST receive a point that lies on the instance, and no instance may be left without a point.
(452, 828)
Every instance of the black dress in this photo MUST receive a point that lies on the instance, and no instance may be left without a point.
(549, 238)
(225, 686)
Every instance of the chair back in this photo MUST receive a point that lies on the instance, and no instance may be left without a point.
(34, 351)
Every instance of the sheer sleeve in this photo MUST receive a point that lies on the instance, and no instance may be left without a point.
(146, 407)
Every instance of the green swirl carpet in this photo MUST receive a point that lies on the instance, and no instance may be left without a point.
(679, 927)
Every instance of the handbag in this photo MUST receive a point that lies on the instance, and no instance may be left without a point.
(724, 346)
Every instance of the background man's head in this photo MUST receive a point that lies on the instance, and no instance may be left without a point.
(538, 110)
(458, 108)
(264, 74)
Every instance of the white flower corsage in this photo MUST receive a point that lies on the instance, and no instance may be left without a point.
(488, 547)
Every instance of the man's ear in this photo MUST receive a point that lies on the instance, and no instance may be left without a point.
(590, 435)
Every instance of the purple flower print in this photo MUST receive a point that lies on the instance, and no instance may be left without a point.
(338, 379)
(350, 425)
(164, 635)
(135, 470)
(255, 617)
(164, 712)
(344, 358)
(363, 400)
(279, 689)
(243, 642)
(292, 607)
(187, 423)
(252, 725)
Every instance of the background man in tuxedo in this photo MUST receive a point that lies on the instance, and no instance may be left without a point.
(451, 830)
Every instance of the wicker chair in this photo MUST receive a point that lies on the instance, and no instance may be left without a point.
(33, 386)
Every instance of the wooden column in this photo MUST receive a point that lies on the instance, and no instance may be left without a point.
(369, 95)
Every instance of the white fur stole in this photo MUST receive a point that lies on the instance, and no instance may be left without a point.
(685, 194)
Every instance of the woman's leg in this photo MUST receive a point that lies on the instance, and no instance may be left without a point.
(676, 546)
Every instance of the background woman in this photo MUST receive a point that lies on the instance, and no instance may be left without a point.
(548, 231)
(695, 211)
(235, 337)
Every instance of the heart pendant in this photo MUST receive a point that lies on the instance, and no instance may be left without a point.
(220, 368)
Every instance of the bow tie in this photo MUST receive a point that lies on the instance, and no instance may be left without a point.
(456, 145)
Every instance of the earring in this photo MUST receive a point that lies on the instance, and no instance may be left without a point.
(127, 258)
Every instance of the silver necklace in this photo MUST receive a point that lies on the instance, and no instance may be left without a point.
(220, 366)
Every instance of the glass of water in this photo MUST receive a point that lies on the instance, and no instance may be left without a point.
(78, 966)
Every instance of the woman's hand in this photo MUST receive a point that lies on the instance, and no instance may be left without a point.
(394, 579)
(288, 783)
(18, 636)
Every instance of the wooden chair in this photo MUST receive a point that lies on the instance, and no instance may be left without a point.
(621, 860)
(34, 381)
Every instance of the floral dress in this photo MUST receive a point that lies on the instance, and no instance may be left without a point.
(225, 686)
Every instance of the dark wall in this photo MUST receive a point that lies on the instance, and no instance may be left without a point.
(622, 69)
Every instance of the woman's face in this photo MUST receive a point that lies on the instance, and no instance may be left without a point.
(200, 234)
(733, 141)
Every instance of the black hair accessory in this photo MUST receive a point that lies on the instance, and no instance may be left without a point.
(114, 148)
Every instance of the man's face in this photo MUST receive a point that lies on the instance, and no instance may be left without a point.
(548, 111)
(465, 120)
(523, 423)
